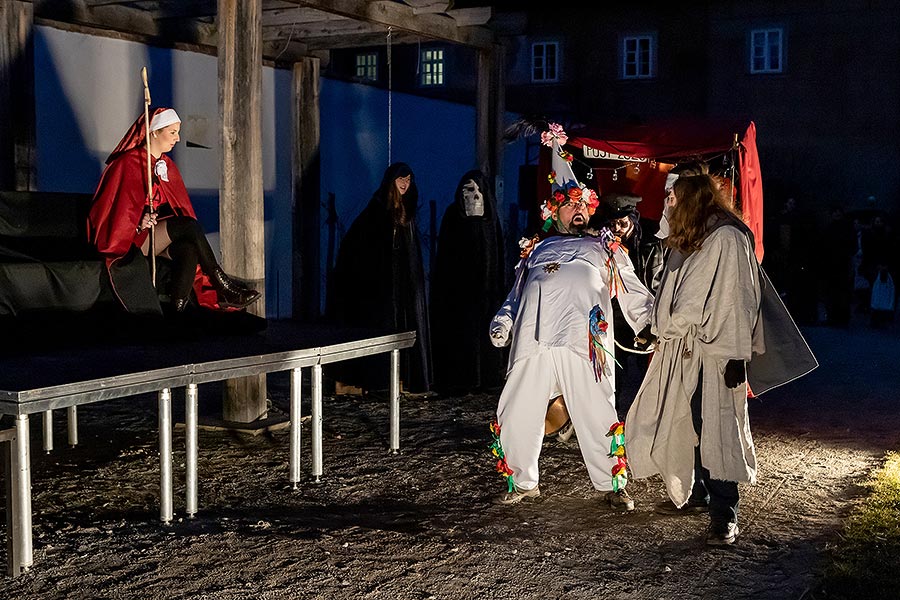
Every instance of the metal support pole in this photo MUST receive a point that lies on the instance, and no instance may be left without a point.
(395, 402)
(22, 464)
(316, 385)
(165, 455)
(190, 447)
(48, 431)
(72, 425)
(296, 383)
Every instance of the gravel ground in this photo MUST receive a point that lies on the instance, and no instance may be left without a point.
(420, 524)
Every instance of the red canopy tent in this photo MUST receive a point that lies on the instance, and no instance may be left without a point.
(636, 159)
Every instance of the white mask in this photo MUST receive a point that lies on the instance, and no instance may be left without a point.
(473, 201)
(663, 232)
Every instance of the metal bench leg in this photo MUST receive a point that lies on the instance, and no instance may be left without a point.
(165, 455)
(72, 418)
(296, 387)
(317, 421)
(48, 431)
(191, 445)
(21, 504)
(395, 402)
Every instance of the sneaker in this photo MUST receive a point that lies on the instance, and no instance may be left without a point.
(620, 501)
(722, 537)
(516, 496)
(691, 508)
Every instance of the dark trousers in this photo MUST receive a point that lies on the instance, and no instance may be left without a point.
(722, 496)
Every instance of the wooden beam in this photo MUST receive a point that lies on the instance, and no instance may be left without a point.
(241, 219)
(334, 29)
(362, 40)
(130, 21)
(17, 116)
(307, 276)
(400, 16)
(294, 15)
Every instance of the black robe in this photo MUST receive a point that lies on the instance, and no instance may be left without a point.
(379, 283)
(467, 288)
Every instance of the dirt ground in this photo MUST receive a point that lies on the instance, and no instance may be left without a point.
(420, 525)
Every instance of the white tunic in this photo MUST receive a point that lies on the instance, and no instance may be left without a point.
(563, 278)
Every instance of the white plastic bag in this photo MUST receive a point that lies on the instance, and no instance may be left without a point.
(883, 292)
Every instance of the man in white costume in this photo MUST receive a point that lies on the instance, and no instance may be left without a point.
(558, 318)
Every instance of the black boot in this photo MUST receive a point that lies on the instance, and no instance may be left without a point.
(231, 293)
(181, 304)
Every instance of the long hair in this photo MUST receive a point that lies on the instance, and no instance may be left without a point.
(698, 199)
(402, 208)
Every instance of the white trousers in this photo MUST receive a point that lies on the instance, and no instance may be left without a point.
(529, 387)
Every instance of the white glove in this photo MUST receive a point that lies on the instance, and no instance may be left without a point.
(500, 328)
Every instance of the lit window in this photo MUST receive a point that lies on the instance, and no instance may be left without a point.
(544, 62)
(766, 51)
(432, 72)
(638, 57)
(367, 66)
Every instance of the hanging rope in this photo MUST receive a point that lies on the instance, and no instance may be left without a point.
(390, 90)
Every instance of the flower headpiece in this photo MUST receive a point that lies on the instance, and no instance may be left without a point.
(564, 187)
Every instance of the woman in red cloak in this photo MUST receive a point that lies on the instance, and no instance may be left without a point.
(120, 219)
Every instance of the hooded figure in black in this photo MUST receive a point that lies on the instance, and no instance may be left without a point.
(378, 282)
(467, 287)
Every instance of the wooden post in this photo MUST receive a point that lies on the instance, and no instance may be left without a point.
(17, 116)
(489, 114)
(241, 220)
(307, 277)
(483, 114)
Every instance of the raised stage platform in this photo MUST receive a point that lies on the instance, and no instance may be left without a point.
(40, 379)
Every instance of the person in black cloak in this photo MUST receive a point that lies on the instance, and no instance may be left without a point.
(379, 282)
(467, 286)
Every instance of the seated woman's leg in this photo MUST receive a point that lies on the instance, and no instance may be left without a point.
(184, 269)
(188, 231)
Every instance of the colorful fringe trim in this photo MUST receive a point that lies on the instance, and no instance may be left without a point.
(497, 451)
(617, 449)
(597, 351)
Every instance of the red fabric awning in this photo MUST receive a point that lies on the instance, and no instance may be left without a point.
(670, 143)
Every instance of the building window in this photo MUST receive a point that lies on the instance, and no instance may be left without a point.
(766, 51)
(544, 62)
(367, 66)
(638, 57)
(432, 71)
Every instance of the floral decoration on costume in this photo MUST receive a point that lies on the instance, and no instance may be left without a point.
(597, 327)
(526, 245)
(617, 449)
(497, 451)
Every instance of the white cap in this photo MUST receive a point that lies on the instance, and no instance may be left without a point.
(163, 119)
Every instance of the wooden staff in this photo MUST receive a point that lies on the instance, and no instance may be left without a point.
(149, 175)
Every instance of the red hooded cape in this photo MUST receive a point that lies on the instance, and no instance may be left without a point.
(118, 207)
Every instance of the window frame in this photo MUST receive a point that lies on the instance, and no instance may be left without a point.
(766, 47)
(652, 51)
(556, 62)
(369, 69)
(430, 62)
